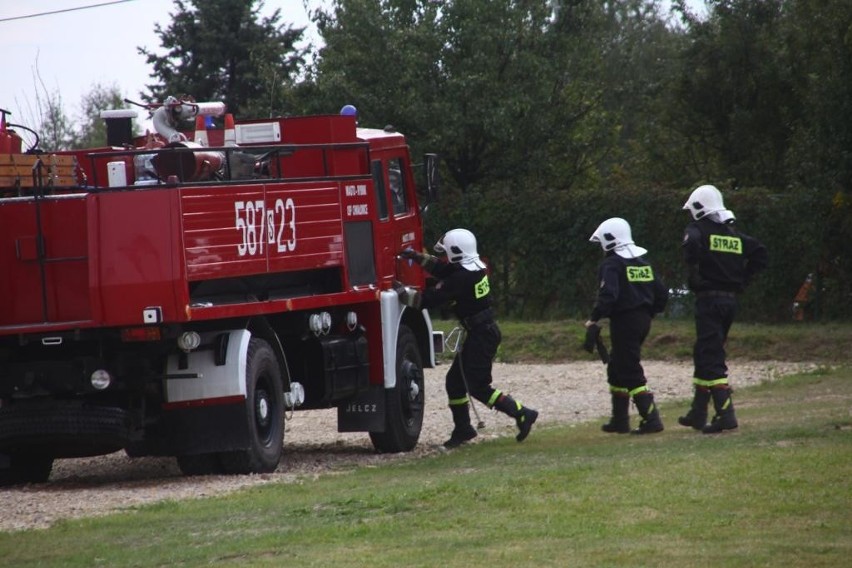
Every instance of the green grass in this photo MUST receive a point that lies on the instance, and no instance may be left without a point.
(559, 341)
(775, 493)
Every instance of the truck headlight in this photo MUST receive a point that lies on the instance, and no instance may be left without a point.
(100, 379)
(351, 321)
(296, 396)
(188, 340)
(315, 324)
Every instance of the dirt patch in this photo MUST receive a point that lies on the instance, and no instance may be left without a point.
(563, 393)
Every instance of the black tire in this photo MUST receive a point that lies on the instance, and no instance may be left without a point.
(405, 402)
(26, 468)
(264, 411)
(200, 464)
(64, 430)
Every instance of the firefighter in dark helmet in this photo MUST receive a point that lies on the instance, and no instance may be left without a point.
(629, 294)
(721, 262)
(463, 283)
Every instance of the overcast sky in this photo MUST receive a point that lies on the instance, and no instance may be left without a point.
(75, 49)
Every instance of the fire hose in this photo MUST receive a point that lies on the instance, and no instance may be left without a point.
(454, 342)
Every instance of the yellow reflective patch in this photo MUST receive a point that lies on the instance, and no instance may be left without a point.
(709, 384)
(637, 390)
(482, 288)
(640, 274)
(723, 243)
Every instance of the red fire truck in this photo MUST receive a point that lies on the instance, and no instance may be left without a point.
(183, 293)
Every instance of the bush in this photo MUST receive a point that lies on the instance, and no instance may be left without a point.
(544, 267)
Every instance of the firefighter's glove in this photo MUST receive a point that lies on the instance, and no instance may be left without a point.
(424, 260)
(411, 254)
(407, 295)
(593, 333)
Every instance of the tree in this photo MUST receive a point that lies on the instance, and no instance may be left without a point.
(482, 80)
(552, 116)
(92, 130)
(641, 54)
(505, 91)
(819, 54)
(223, 50)
(524, 101)
(735, 102)
(55, 131)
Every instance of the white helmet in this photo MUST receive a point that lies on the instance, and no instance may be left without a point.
(460, 246)
(706, 201)
(614, 235)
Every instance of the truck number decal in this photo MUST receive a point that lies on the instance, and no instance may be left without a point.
(258, 225)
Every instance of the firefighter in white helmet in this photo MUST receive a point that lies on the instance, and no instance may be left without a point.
(463, 283)
(721, 262)
(630, 293)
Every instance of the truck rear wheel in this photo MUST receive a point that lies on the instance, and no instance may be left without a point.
(26, 468)
(404, 403)
(64, 429)
(264, 411)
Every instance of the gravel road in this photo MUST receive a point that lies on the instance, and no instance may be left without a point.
(563, 393)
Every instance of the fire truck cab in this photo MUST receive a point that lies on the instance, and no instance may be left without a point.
(184, 293)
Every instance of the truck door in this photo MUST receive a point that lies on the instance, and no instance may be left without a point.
(399, 218)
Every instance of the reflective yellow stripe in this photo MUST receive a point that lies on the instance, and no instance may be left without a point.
(494, 398)
(709, 384)
(637, 390)
(482, 288)
(724, 243)
(459, 401)
(619, 390)
(640, 274)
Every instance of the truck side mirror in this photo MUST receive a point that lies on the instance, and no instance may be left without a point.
(432, 175)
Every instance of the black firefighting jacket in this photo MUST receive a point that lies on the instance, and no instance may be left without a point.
(628, 284)
(720, 257)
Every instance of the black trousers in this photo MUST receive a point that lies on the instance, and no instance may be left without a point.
(475, 359)
(628, 331)
(714, 316)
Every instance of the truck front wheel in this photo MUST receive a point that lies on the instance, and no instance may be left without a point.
(26, 468)
(265, 414)
(200, 464)
(405, 401)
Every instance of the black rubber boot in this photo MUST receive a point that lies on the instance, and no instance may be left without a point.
(650, 423)
(619, 423)
(725, 418)
(697, 416)
(463, 431)
(524, 417)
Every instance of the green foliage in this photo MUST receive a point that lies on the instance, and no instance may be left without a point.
(544, 265)
(819, 52)
(560, 340)
(221, 50)
(552, 117)
(481, 81)
(567, 495)
(764, 97)
(736, 93)
(819, 40)
(92, 129)
(55, 129)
